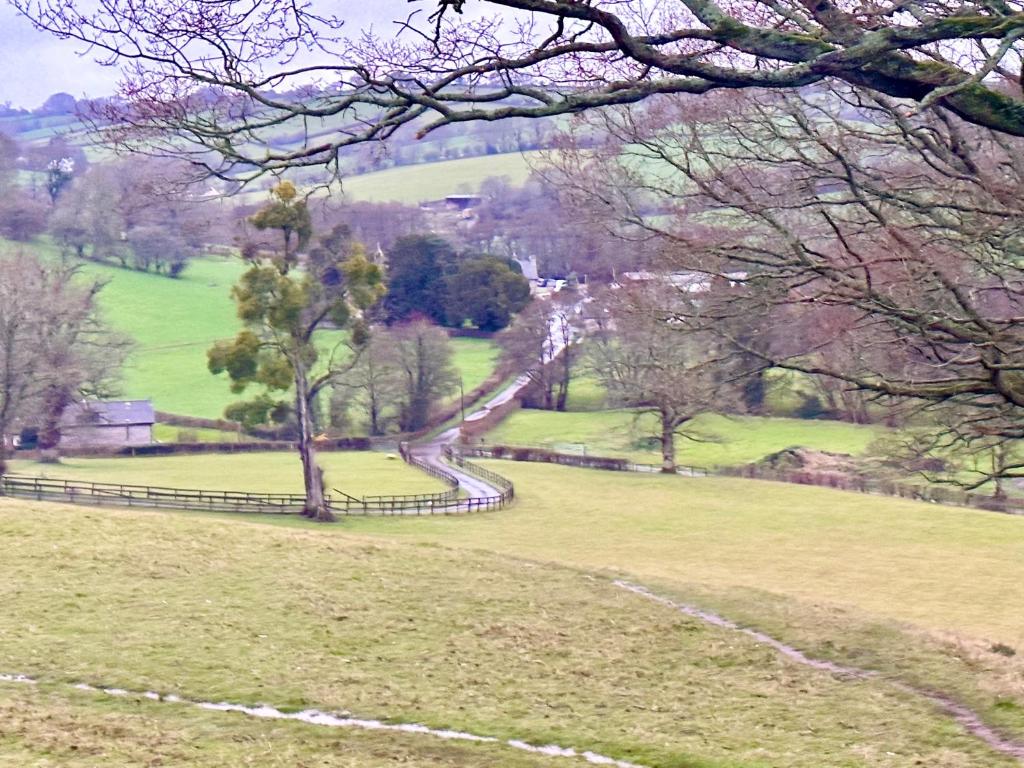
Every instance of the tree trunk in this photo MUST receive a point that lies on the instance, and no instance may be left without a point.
(549, 395)
(668, 444)
(563, 381)
(375, 429)
(55, 401)
(312, 476)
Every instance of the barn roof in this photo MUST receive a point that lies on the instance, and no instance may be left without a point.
(109, 413)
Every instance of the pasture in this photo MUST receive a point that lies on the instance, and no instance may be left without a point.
(413, 184)
(713, 440)
(358, 473)
(392, 626)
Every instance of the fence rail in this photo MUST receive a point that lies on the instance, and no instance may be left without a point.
(448, 502)
(917, 492)
(503, 484)
(117, 494)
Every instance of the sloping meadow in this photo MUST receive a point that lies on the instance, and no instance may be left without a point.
(213, 610)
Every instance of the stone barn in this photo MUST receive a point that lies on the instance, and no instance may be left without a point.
(107, 424)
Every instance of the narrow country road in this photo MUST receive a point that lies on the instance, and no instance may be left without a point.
(432, 451)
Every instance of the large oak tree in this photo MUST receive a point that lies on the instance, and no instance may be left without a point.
(220, 76)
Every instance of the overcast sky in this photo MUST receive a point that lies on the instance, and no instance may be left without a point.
(35, 64)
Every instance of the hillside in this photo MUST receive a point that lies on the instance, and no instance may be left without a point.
(411, 171)
(480, 642)
(174, 322)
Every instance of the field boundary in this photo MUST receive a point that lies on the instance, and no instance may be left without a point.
(448, 502)
(841, 482)
(173, 449)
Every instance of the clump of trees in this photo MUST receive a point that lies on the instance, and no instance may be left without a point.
(22, 215)
(535, 219)
(285, 308)
(136, 213)
(400, 377)
(486, 292)
(428, 278)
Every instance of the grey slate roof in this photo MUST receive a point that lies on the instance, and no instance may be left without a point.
(109, 413)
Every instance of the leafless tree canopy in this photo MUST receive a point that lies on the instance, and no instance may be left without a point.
(874, 245)
(53, 347)
(221, 75)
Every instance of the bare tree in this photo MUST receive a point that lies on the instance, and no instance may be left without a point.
(539, 344)
(51, 344)
(422, 357)
(221, 76)
(645, 363)
(372, 384)
(887, 241)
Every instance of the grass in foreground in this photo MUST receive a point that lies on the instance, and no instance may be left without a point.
(945, 569)
(923, 592)
(723, 441)
(357, 473)
(221, 610)
(51, 727)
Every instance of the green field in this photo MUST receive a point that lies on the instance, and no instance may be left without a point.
(458, 637)
(475, 360)
(174, 322)
(169, 433)
(357, 473)
(423, 182)
(920, 593)
(720, 440)
(431, 181)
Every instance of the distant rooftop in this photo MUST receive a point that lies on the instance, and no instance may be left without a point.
(110, 412)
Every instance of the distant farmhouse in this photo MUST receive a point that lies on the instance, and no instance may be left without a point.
(113, 423)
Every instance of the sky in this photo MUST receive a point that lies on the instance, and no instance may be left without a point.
(35, 64)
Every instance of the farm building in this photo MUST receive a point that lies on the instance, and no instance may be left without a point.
(113, 423)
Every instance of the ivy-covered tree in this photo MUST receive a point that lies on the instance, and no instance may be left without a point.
(289, 214)
(280, 350)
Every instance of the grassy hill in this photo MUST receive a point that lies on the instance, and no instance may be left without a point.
(421, 182)
(431, 181)
(174, 322)
(481, 641)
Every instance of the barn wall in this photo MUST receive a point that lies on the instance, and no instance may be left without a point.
(140, 434)
(109, 435)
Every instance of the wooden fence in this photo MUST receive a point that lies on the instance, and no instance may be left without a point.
(938, 494)
(448, 502)
(506, 490)
(117, 494)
